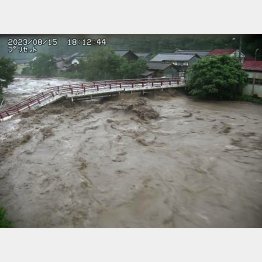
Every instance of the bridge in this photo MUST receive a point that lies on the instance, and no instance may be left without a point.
(89, 91)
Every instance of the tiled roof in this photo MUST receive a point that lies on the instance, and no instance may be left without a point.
(171, 57)
(121, 52)
(147, 73)
(249, 58)
(253, 66)
(200, 53)
(222, 52)
(142, 54)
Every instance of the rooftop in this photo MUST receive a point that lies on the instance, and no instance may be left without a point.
(121, 52)
(249, 58)
(142, 54)
(253, 66)
(172, 57)
(222, 51)
(200, 53)
(147, 73)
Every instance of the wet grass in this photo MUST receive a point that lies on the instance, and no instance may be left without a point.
(254, 99)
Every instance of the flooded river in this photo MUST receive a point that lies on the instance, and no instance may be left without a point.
(161, 160)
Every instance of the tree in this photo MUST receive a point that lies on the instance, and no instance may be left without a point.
(102, 64)
(131, 69)
(7, 71)
(216, 77)
(43, 66)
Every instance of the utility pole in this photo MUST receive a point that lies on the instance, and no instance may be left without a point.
(254, 74)
(240, 48)
(256, 54)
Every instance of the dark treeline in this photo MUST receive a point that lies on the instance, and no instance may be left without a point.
(138, 43)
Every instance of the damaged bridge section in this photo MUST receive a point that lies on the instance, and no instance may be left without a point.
(91, 90)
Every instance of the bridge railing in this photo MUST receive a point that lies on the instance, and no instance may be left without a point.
(83, 88)
(113, 84)
(96, 85)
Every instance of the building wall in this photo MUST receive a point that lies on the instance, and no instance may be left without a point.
(193, 60)
(257, 90)
(75, 62)
(257, 75)
(130, 56)
(169, 72)
(236, 55)
(248, 89)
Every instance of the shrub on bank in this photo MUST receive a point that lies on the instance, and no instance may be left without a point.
(216, 77)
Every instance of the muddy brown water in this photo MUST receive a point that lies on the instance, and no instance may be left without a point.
(157, 161)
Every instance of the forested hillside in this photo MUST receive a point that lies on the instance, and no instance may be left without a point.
(138, 43)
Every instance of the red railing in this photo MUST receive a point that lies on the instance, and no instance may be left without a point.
(82, 89)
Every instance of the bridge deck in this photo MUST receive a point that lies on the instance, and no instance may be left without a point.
(90, 90)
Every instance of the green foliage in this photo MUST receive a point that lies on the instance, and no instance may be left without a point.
(1, 95)
(131, 69)
(43, 66)
(216, 77)
(26, 71)
(254, 99)
(104, 64)
(70, 74)
(7, 71)
(4, 222)
(146, 43)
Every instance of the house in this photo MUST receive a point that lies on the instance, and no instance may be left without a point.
(62, 65)
(148, 74)
(159, 69)
(176, 59)
(254, 71)
(128, 54)
(229, 52)
(144, 56)
(76, 58)
(75, 61)
(67, 63)
(200, 53)
(180, 61)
